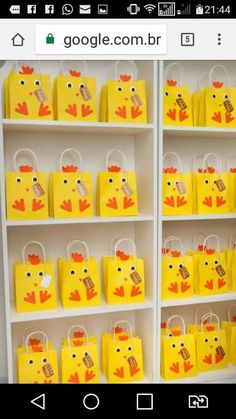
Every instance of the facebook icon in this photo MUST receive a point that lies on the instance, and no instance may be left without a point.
(49, 9)
(31, 9)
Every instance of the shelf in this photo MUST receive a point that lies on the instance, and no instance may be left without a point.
(10, 125)
(60, 313)
(200, 132)
(227, 375)
(199, 300)
(197, 217)
(89, 220)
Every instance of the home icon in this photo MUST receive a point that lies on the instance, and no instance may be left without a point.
(17, 40)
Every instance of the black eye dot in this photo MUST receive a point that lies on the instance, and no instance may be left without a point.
(117, 349)
(179, 95)
(65, 181)
(78, 181)
(28, 274)
(170, 266)
(82, 86)
(216, 339)
(180, 266)
(206, 181)
(123, 179)
(18, 180)
(35, 179)
(69, 85)
(173, 345)
(119, 89)
(216, 262)
(40, 273)
(214, 96)
(168, 183)
(22, 82)
(86, 354)
(45, 360)
(31, 361)
(226, 96)
(119, 269)
(129, 348)
(206, 340)
(73, 355)
(85, 270)
(206, 263)
(166, 93)
(132, 268)
(182, 344)
(110, 180)
(72, 272)
(37, 82)
(133, 89)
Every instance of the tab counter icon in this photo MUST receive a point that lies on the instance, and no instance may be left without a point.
(197, 402)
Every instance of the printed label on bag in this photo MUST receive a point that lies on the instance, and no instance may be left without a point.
(85, 92)
(220, 185)
(127, 189)
(132, 361)
(136, 100)
(184, 353)
(184, 272)
(181, 103)
(181, 187)
(220, 350)
(81, 188)
(47, 370)
(38, 190)
(87, 360)
(88, 283)
(41, 95)
(135, 277)
(228, 105)
(220, 270)
(46, 281)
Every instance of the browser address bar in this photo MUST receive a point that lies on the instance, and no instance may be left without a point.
(98, 39)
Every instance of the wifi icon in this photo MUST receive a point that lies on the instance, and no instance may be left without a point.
(150, 8)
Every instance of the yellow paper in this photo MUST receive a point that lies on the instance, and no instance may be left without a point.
(211, 350)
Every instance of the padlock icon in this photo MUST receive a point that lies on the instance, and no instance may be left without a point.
(50, 39)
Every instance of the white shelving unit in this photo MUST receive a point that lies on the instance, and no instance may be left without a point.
(188, 142)
(47, 139)
(144, 145)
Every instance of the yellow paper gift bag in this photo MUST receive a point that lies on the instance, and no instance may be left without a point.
(178, 356)
(79, 357)
(211, 348)
(124, 280)
(177, 101)
(124, 357)
(177, 272)
(229, 324)
(230, 166)
(34, 281)
(75, 93)
(232, 347)
(212, 187)
(116, 189)
(79, 284)
(36, 361)
(124, 99)
(211, 271)
(71, 194)
(230, 255)
(26, 190)
(218, 101)
(196, 98)
(176, 187)
(28, 94)
(205, 322)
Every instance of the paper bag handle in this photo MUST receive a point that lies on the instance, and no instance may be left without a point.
(177, 158)
(227, 162)
(195, 236)
(128, 329)
(212, 71)
(197, 312)
(201, 83)
(211, 236)
(25, 151)
(38, 332)
(76, 156)
(211, 315)
(30, 243)
(230, 312)
(180, 70)
(172, 239)
(217, 160)
(133, 246)
(72, 243)
(231, 238)
(75, 63)
(181, 321)
(121, 154)
(132, 66)
(77, 327)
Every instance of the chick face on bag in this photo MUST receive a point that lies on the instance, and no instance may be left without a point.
(213, 192)
(125, 365)
(75, 98)
(72, 195)
(26, 194)
(128, 99)
(219, 102)
(180, 360)
(81, 366)
(177, 278)
(212, 350)
(176, 104)
(31, 93)
(212, 271)
(37, 367)
(177, 192)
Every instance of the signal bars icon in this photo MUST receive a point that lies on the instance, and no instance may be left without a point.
(149, 8)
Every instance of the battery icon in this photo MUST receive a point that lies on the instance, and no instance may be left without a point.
(199, 9)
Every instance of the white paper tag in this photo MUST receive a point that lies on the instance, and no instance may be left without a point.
(45, 283)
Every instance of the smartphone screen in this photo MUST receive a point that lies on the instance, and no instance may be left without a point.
(118, 208)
